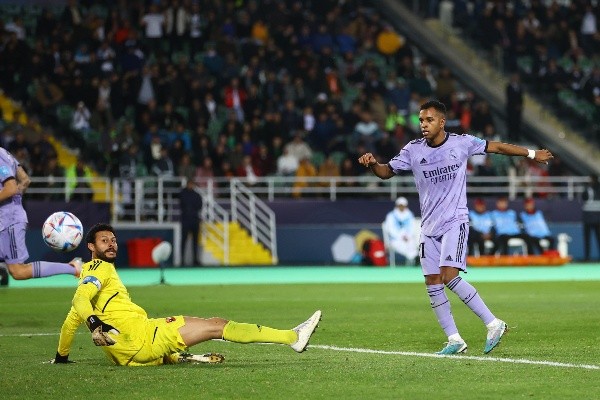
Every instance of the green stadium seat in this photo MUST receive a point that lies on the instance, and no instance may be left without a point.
(338, 157)
(525, 64)
(183, 111)
(64, 113)
(317, 158)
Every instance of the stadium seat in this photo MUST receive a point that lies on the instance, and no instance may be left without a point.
(318, 158)
(517, 243)
(338, 157)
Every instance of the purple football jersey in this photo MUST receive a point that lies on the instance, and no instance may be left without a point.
(441, 178)
(11, 210)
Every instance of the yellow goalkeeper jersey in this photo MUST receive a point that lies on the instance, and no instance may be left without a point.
(100, 292)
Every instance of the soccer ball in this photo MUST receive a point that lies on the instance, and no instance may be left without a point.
(62, 231)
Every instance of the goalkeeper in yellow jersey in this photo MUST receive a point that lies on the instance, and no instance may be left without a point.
(129, 337)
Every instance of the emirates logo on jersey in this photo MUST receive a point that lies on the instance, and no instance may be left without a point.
(441, 174)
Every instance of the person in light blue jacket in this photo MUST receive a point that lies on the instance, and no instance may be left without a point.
(536, 227)
(506, 225)
(481, 227)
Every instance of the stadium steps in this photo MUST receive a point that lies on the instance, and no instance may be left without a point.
(66, 156)
(242, 249)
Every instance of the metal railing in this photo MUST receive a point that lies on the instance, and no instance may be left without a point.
(334, 188)
(254, 215)
(215, 226)
(67, 189)
(156, 199)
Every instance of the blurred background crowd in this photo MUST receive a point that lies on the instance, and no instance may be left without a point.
(223, 88)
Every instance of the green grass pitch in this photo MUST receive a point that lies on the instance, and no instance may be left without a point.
(551, 352)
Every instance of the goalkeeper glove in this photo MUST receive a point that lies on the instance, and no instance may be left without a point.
(100, 331)
(58, 359)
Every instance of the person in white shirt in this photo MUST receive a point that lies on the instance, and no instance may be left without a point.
(298, 147)
(399, 227)
(287, 164)
(154, 24)
(81, 118)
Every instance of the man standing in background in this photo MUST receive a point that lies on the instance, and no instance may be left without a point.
(514, 107)
(190, 205)
(591, 214)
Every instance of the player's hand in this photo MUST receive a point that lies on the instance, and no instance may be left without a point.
(543, 156)
(100, 331)
(58, 359)
(367, 160)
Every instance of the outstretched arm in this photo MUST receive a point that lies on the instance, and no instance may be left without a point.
(83, 307)
(67, 331)
(382, 171)
(541, 156)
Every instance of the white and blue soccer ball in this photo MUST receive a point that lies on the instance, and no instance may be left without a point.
(62, 231)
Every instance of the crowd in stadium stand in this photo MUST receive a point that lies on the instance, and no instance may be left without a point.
(554, 45)
(202, 88)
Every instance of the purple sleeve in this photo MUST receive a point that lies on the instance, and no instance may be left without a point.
(7, 167)
(401, 162)
(476, 145)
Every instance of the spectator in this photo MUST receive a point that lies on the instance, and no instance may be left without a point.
(327, 169)
(190, 204)
(54, 174)
(163, 167)
(534, 224)
(205, 173)
(196, 26)
(589, 30)
(154, 23)
(399, 227)
(81, 118)
(186, 168)
(367, 131)
(306, 169)
(389, 42)
(287, 164)
(514, 107)
(481, 228)
(248, 171)
(591, 214)
(48, 96)
(79, 176)
(298, 147)
(482, 116)
(176, 23)
(506, 227)
(263, 161)
(349, 172)
(235, 97)
(131, 166)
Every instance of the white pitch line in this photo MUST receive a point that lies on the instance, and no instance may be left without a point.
(457, 357)
(31, 334)
(403, 353)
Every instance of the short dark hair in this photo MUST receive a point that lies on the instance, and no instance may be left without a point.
(438, 105)
(91, 235)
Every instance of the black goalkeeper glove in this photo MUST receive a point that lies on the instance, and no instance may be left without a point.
(58, 359)
(100, 331)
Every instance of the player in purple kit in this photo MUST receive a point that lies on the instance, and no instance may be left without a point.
(439, 164)
(13, 224)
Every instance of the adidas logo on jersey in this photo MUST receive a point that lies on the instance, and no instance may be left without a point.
(449, 258)
(423, 161)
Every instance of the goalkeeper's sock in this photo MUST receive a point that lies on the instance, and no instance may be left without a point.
(252, 333)
(41, 269)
